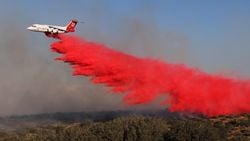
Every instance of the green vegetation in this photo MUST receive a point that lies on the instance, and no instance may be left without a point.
(139, 128)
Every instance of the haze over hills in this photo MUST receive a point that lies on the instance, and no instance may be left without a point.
(124, 125)
(12, 123)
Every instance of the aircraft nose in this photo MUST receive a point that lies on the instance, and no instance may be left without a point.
(30, 28)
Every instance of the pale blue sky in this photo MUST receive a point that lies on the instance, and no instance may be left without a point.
(218, 31)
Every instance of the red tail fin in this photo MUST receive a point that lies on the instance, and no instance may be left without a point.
(71, 26)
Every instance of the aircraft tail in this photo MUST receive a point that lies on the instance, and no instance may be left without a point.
(70, 27)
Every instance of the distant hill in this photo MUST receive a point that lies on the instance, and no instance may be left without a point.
(124, 126)
(26, 121)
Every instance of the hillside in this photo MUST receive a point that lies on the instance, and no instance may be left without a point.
(124, 126)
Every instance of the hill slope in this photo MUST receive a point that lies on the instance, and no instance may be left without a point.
(126, 126)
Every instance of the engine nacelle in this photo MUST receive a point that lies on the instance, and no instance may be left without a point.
(55, 31)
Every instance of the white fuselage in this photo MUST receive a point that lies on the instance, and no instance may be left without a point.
(47, 28)
(54, 30)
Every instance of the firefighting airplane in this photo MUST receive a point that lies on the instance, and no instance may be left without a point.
(54, 30)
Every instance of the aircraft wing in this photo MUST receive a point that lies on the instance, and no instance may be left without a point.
(59, 28)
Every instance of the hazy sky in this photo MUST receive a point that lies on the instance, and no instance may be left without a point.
(211, 35)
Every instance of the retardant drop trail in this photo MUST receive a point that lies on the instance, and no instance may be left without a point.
(141, 80)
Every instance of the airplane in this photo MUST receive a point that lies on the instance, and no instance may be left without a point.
(54, 30)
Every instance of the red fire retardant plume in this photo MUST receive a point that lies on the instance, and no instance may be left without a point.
(141, 80)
